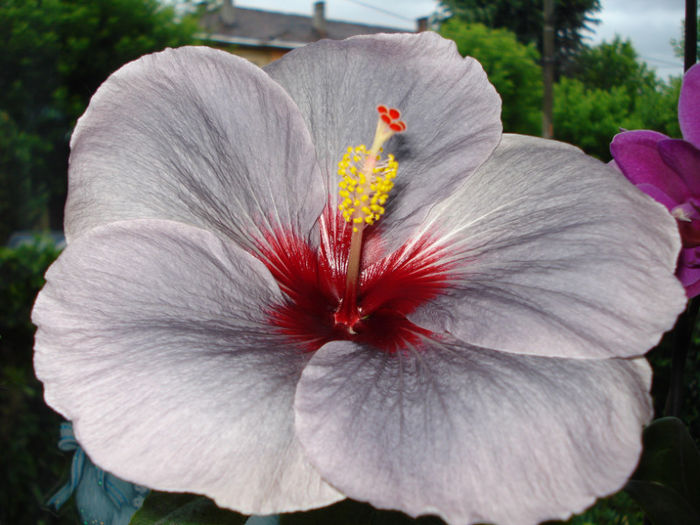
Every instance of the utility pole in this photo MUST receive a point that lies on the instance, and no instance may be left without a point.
(686, 322)
(691, 33)
(548, 69)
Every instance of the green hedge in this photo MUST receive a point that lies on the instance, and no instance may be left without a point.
(31, 464)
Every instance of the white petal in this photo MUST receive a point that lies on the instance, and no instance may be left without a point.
(554, 253)
(153, 338)
(471, 434)
(451, 110)
(195, 135)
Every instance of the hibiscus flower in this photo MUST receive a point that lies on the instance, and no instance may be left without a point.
(669, 170)
(228, 319)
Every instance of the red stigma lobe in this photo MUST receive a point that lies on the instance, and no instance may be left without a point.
(390, 116)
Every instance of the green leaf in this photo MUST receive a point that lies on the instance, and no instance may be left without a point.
(165, 508)
(666, 483)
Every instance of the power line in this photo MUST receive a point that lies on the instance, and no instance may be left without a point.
(380, 10)
(662, 61)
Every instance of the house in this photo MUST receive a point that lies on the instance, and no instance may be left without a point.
(264, 36)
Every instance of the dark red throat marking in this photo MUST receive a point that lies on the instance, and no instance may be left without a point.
(313, 281)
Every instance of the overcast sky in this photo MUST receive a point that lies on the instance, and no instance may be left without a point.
(649, 23)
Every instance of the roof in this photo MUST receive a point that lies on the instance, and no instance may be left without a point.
(254, 27)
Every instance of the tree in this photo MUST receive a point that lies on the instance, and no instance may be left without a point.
(590, 117)
(524, 18)
(657, 107)
(608, 65)
(512, 68)
(610, 89)
(55, 55)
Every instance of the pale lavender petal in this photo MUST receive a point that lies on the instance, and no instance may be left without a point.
(153, 339)
(554, 253)
(195, 135)
(683, 158)
(637, 156)
(451, 110)
(689, 106)
(472, 434)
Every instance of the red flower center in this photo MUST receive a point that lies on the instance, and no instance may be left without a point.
(317, 308)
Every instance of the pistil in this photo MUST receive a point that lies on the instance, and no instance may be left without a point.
(364, 187)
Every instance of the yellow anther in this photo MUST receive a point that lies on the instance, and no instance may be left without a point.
(366, 179)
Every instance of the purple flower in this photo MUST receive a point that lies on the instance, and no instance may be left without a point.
(227, 320)
(669, 171)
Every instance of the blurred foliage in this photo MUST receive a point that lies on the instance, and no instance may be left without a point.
(55, 55)
(21, 199)
(691, 393)
(666, 483)
(612, 64)
(512, 68)
(31, 464)
(183, 509)
(350, 512)
(525, 19)
(609, 90)
(590, 117)
(619, 509)
(188, 509)
(23, 270)
(660, 358)
(658, 108)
